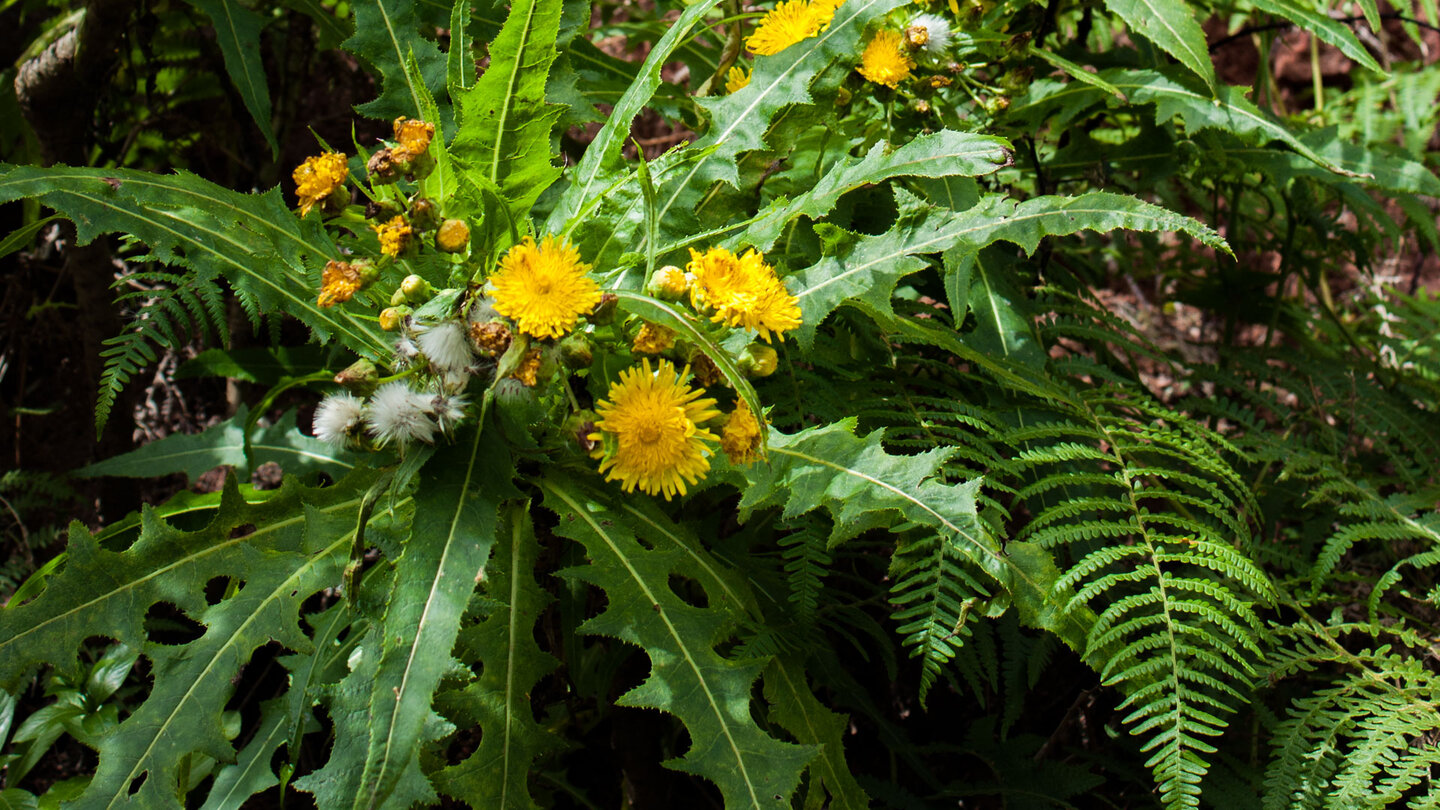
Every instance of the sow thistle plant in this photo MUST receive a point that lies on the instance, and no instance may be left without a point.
(791, 434)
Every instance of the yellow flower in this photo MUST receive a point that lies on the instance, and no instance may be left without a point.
(736, 79)
(413, 136)
(826, 10)
(792, 21)
(649, 434)
(338, 283)
(885, 60)
(317, 178)
(741, 438)
(528, 372)
(544, 289)
(394, 235)
(743, 291)
(653, 339)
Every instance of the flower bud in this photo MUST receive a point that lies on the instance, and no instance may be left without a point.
(668, 283)
(424, 214)
(397, 298)
(576, 351)
(453, 236)
(369, 273)
(759, 360)
(359, 375)
(392, 318)
(416, 289)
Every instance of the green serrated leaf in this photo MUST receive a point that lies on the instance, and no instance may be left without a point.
(940, 154)
(224, 444)
(387, 715)
(386, 33)
(237, 30)
(252, 240)
(504, 135)
(602, 157)
(497, 773)
(1171, 25)
(297, 547)
(709, 693)
(795, 708)
(868, 267)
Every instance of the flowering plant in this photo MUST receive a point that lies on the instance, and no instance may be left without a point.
(718, 430)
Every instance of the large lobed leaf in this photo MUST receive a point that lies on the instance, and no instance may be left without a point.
(382, 711)
(252, 240)
(296, 546)
(504, 134)
(688, 678)
(386, 35)
(867, 267)
(497, 773)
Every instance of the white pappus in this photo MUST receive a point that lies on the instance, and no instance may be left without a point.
(336, 416)
(930, 33)
(397, 414)
(447, 346)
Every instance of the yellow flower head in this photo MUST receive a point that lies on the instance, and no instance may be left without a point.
(528, 373)
(736, 79)
(743, 291)
(885, 60)
(394, 235)
(338, 283)
(413, 136)
(653, 339)
(544, 288)
(741, 438)
(317, 178)
(649, 434)
(792, 21)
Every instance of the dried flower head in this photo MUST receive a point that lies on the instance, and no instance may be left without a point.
(413, 136)
(528, 372)
(544, 288)
(929, 33)
(885, 60)
(491, 338)
(653, 339)
(650, 434)
(317, 178)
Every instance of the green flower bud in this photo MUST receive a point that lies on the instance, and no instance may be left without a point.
(576, 351)
(392, 318)
(416, 289)
(453, 236)
(360, 375)
(668, 283)
(759, 360)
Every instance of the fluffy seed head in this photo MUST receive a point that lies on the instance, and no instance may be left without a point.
(399, 415)
(337, 416)
(447, 346)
